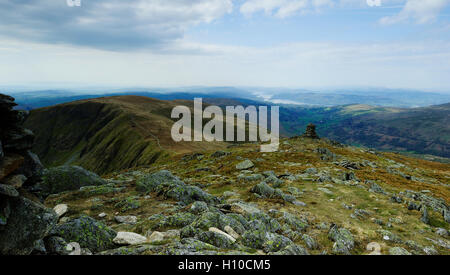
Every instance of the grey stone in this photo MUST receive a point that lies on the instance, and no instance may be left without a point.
(398, 251)
(310, 242)
(30, 222)
(199, 207)
(344, 241)
(163, 182)
(8, 190)
(86, 231)
(129, 238)
(292, 250)
(68, 178)
(244, 165)
(126, 219)
(425, 218)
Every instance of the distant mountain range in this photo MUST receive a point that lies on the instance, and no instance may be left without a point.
(374, 97)
(424, 130)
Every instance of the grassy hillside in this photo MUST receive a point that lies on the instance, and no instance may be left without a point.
(288, 202)
(108, 134)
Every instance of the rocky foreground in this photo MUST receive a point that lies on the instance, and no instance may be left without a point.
(314, 196)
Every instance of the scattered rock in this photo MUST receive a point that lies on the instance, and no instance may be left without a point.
(8, 190)
(61, 209)
(126, 219)
(156, 237)
(442, 232)
(213, 229)
(430, 250)
(199, 207)
(166, 184)
(56, 246)
(376, 188)
(425, 219)
(217, 239)
(67, 178)
(310, 242)
(129, 238)
(246, 164)
(398, 251)
(292, 250)
(29, 221)
(325, 190)
(231, 232)
(343, 239)
(15, 181)
(88, 232)
(374, 248)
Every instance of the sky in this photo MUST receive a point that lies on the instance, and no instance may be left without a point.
(263, 43)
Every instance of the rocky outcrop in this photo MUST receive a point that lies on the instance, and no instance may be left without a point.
(67, 178)
(24, 221)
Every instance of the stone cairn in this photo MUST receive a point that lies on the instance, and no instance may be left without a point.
(311, 132)
(24, 221)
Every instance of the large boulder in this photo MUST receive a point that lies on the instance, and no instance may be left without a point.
(67, 178)
(88, 232)
(344, 241)
(28, 222)
(166, 184)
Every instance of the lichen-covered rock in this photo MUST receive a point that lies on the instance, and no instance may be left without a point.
(126, 219)
(67, 178)
(8, 190)
(263, 189)
(310, 242)
(216, 239)
(166, 184)
(262, 221)
(292, 249)
(446, 215)
(376, 188)
(55, 245)
(207, 220)
(199, 207)
(246, 164)
(129, 238)
(178, 220)
(343, 239)
(254, 238)
(275, 242)
(424, 218)
(88, 232)
(29, 221)
(189, 232)
(293, 222)
(131, 250)
(389, 236)
(398, 251)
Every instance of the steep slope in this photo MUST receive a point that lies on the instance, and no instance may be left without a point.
(416, 130)
(108, 134)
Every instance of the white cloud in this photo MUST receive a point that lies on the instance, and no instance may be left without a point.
(283, 8)
(107, 24)
(420, 11)
(288, 65)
